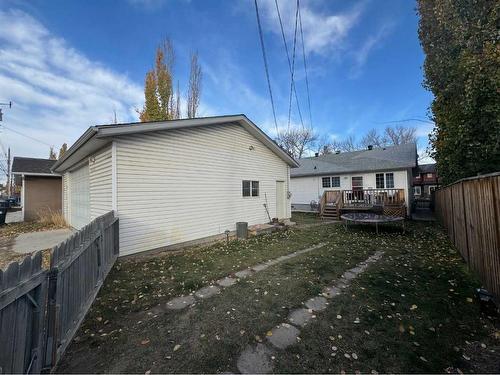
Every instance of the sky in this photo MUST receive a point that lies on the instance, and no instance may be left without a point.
(68, 65)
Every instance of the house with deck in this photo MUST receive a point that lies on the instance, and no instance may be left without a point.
(377, 179)
(174, 182)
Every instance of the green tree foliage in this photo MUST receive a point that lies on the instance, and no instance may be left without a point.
(160, 100)
(462, 69)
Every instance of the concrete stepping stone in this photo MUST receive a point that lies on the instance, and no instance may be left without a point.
(207, 291)
(331, 291)
(300, 317)
(227, 281)
(317, 303)
(260, 267)
(180, 302)
(348, 275)
(255, 360)
(244, 273)
(357, 270)
(283, 336)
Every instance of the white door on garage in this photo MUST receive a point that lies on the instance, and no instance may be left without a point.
(79, 197)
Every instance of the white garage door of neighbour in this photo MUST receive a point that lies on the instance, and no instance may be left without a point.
(80, 197)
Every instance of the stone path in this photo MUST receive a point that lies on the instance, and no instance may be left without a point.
(181, 302)
(258, 359)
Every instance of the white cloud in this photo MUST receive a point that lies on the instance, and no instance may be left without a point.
(57, 92)
(323, 31)
(371, 43)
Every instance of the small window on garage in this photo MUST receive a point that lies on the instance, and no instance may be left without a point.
(326, 182)
(255, 188)
(335, 181)
(246, 188)
(250, 188)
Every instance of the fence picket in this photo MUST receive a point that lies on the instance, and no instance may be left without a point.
(41, 310)
(473, 224)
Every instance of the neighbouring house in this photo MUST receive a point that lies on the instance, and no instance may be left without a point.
(40, 188)
(172, 182)
(355, 180)
(425, 180)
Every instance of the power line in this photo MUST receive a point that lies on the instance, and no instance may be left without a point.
(24, 135)
(405, 120)
(292, 73)
(305, 66)
(290, 65)
(265, 65)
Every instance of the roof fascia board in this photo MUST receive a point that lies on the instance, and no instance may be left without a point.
(89, 133)
(36, 174)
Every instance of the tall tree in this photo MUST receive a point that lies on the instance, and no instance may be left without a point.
(194, 89)
(297, 141)
(63, 150)
(52, 154)
(462, 56)
(158, 91)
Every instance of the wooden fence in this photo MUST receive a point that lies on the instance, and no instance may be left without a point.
(41, 309)
(469, 209)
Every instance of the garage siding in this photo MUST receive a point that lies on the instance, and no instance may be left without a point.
(100, 183)
(65, 186)
(180, 185)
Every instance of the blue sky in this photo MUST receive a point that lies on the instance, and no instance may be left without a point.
(67, 65)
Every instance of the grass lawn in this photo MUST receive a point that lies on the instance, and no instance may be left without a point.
(306, 218)
(414, 307)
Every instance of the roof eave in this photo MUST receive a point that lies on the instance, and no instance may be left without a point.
(85, 137)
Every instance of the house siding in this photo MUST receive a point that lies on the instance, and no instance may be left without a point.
(100, 183)
(306, 189)
(181, 185)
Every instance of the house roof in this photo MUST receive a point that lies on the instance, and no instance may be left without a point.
(98, 136)
(32, 166)
(426, 168)
(377, 159)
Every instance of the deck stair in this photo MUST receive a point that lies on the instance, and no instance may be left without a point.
(330, 212)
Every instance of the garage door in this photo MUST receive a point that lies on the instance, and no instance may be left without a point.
(79, 197)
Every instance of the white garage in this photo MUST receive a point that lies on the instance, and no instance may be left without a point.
(79, 197)
(172, 182)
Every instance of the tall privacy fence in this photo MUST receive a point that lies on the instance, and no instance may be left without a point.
(469, 209)
(41, 309)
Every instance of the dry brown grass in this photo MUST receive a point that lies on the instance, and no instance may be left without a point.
(51, 217)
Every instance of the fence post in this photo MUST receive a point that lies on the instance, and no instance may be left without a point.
(50, 355)
(116, 236)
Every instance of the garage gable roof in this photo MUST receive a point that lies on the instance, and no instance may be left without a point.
(32, 166)
(97, 136)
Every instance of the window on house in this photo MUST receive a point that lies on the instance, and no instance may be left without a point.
(250, 188)
(389, 180)
(379, 181)
(336, 181)
(417, 190)
(357, 183)
(255, 188)
(326, 182)
(429, 175)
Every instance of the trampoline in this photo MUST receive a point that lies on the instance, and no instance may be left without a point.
(371, 218)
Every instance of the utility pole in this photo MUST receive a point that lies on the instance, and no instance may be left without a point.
(8, 174)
